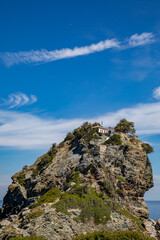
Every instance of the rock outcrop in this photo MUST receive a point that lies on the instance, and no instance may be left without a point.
(82, 185)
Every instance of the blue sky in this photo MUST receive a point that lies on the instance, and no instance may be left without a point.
(65, 62)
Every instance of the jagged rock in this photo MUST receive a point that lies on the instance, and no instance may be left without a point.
(4, 223)
(121, 174)
(150, 227)
(11, 218)
(15, 200)
(157, 225)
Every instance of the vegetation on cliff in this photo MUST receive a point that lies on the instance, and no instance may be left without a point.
(101, 235)
(114, 140)
(46, 159)
(91, 204)
(49, 197)
(125, 126)
(36, 214)
(118, 235)
(20, 179)
(87, 132)
(147, 148)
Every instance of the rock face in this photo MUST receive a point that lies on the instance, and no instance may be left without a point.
(82, 168)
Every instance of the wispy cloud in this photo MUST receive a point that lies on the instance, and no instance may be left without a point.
(156, 93)
(142, 39)
(26, 130)
(18, 99)
(44, 56)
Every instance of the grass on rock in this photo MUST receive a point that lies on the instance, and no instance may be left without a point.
(20, 179)
(91, 204)
(36, 214)
(49, 197)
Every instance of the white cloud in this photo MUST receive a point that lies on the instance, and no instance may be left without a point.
(142, 39)
(44, 56)
(18, 99)
(156, 93)
(26, 130)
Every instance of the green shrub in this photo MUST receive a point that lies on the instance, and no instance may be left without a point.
(69, 136)
(107, 186)
(33, 237)
(35, 173)
(114, 140)
(36, 214)
(91, 205)
(73, 177)
(125, 127)
(48, 197)
(86, 132)
(118, 235)
(20, 179)
(61, 144)
(80, 190)
(147, 148)
(44, 163)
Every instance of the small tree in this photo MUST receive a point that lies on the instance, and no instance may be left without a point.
(125, 126)
(147, 148)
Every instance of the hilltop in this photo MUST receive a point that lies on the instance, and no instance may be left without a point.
(86, 183)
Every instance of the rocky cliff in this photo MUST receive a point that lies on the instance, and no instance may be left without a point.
(82, 185)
